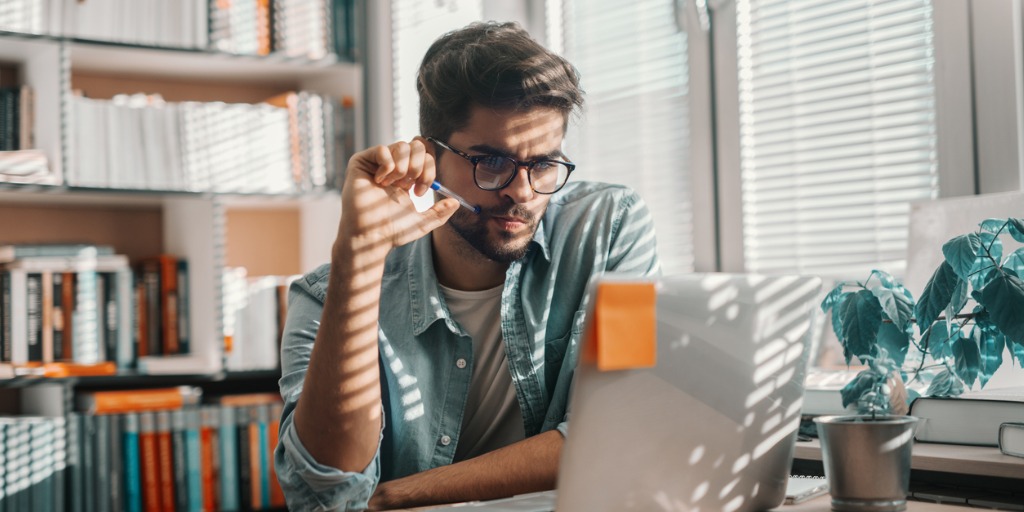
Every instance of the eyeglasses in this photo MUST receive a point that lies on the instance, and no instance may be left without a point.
(495, 172)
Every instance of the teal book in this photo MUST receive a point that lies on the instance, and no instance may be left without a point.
(87, 431)
(193, 462)
(229, 489)
(181, 482)
(101, 440)
(262, 415)
(132, 469)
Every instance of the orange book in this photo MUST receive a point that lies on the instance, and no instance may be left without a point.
(248, 399)
(57, 370)
(149, 463)
(263, 27)
(273, 431)
(167, 266)
(207, 458)
(67, 292)
(165, 461)
(137, 400)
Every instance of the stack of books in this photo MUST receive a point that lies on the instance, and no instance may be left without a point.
(83, 304)
(296, 142)
(254, 313)
(20, 162)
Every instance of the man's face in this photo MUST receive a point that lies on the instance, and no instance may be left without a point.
(509, 217)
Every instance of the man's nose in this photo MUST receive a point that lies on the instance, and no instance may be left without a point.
(519, 190)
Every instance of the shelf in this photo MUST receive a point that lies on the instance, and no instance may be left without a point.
(945, 458)
(65, 195)
(129, 379)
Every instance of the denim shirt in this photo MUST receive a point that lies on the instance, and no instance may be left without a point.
(426, 358)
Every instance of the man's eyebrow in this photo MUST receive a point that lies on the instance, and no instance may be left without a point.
(491, 150)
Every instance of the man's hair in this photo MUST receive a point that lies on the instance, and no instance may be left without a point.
(493, 65)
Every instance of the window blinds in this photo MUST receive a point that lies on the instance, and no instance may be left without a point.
(634, 130)
(837, 126)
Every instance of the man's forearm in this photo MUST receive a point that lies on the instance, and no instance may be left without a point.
(527, 466)
(337, 418)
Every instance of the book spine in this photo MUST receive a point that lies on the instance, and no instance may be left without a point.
(169, 303)
(180, 464)
(245, 459)
(46, 331)
(273, 433)
(141, 330)
(209, 418)
(17, 281)
(86, 345)
(61, 463)
(101, 316)
(184, 318)
(110, 315)
(193, 458)
(151, 278)
(125, 346)
(68, 294)
(117, 496)
(165, 459)
(18, 465)
(103, 468)
(88, 431)
(5, 316)
(76, 473)
(58, 316)
(132, 466)
(260, 417)
(229, 478)
(34, 304)
(149, 457)
(42, 463)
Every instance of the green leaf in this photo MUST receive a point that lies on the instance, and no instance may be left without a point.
(960, 253)
(991, 345)
(862, 315)
(991, 245)
(937, 339)
(945, 384)
(884, 278)
(1017, 229)
(1004, 300)
(992, 225)
(896, 306)
(936, 295)
(1015, 261)
(959, 298)
(860, 386)
(895, 342)
(837, 317)
(1018, 351)
(832, 297)
(967, 359)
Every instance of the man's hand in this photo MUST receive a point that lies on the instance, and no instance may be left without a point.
(377, 212)
(528, 466)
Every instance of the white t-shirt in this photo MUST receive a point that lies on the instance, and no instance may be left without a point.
(492, 418)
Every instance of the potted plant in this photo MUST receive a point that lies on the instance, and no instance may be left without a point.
(970, 311)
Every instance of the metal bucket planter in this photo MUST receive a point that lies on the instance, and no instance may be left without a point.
(867, 461)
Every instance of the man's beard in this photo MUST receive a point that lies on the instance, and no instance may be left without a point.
(506, 247)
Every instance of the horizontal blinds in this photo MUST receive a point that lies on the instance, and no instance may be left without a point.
(635, 127)
(415, 26)
(837, 126)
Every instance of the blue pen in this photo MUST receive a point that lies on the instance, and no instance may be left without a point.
(444, 190)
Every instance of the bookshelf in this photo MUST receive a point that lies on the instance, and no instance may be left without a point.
(270, 228)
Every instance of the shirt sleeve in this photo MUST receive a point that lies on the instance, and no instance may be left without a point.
(307, 484)
(633, 248)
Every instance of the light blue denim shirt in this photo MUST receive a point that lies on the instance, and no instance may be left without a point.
(588, 229)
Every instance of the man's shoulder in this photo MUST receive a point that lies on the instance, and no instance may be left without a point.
(587, 193)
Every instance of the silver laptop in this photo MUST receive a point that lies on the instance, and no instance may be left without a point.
(712, 425)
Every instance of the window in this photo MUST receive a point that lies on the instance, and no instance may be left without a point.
(837, 131)
(632, 57)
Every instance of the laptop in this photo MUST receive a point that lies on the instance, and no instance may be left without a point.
(711, 425)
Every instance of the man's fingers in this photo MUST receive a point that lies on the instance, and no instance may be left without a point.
(427, 176)
(385, 163)
(435, 216)
(400, 152)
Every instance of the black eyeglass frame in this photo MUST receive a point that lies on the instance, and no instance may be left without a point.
(475, 159)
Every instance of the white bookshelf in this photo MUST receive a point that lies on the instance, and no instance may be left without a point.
(193, 224)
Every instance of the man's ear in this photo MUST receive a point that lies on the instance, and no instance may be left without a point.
(431, 148)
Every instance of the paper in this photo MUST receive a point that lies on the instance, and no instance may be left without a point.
(621, 334)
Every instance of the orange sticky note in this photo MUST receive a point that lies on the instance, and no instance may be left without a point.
(622, 334)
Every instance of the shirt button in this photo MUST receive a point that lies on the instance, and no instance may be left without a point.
(445, 440)
(461, 363)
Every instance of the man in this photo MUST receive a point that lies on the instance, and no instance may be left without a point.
(430, 362)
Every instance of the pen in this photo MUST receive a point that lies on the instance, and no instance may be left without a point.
(444, 190)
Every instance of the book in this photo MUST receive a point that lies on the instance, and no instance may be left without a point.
(209, 456)
(193, 461)
(971, 419)
(101, 452)
(12, 252)
(149, 458)
(229, 460)
(1011, 438)
(137, 400)
(180, 447)
(165, 461)
(802, 488)
(132, 466)
(115, 429)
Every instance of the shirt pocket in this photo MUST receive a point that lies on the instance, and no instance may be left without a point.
(555, 350)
